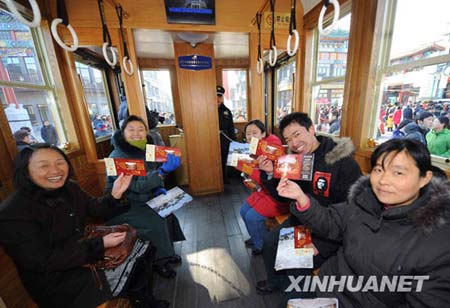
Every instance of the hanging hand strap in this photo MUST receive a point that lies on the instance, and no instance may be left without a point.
(126, 57)
(260, 64)
(325, 5)
(61, 12)
(272, 33)
(119, 11)
(258, 23)
(36, 22)
(63, 18)
(292, 31)
(293, 19)
(106, 37)
(273, 48)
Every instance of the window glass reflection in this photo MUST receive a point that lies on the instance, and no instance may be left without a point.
(34, 109)
(18, 58)
(97, 98)
(413, 40)
(158, 94)
(235, 97)
(285, 76)
(328, 101)
(332, 51)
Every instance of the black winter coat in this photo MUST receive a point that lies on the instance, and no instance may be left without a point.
(226, 124)
(149, 225)
(42, 231)
(409, 240)
(334, 166)
(334, 172)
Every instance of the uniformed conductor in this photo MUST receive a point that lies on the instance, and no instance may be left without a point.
(226, 127)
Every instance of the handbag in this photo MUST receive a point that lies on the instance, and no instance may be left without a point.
(114, 256)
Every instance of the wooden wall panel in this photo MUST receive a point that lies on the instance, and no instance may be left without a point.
(89, 36)
(166, 131)
(86, 175)
(231, 15)
(199, 110)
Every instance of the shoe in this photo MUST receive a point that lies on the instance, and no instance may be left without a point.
(175, 259)
(249, 243)
(256, 252)
(263, 288)
(165, 270)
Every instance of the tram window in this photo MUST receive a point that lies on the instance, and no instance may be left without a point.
(283, 93)
(328, 78)
(98, 100)
(235, 98)
(158, 94)
(413, 69)
(25, 81)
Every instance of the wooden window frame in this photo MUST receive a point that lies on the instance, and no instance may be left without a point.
(385, 22)
(311, 63)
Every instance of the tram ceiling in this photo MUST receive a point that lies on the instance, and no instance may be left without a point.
(158, 44)
(309, 4)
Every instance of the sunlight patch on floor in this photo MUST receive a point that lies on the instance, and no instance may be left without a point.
(216, 270)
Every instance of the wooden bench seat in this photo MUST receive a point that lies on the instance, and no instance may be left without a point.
(276, 221)
(14, 294)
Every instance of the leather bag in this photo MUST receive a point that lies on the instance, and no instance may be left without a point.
(114, 256)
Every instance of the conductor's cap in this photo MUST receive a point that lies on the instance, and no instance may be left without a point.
(220, 90)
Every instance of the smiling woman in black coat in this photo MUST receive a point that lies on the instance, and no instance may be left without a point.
(396, 222)
(42, 224)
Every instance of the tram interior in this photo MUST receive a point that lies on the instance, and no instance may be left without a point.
(354, 81)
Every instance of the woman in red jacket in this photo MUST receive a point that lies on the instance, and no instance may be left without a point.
(397, 116)
(259, 205)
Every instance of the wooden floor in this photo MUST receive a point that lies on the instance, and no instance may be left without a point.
(217, 269)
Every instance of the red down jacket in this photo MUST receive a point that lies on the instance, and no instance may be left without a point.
(261, 201)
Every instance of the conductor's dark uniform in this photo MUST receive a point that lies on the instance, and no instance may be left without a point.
(226, 127)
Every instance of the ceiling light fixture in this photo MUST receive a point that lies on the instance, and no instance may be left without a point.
(192, 37)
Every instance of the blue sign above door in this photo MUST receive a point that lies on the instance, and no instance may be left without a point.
(194, 62)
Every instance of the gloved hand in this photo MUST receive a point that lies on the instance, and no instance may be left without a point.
(172, 163)
(159, 191)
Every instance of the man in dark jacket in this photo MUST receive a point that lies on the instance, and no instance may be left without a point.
(48, 133)
(334, 171)
(408, 112)
(418, 131)
(226, 127)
